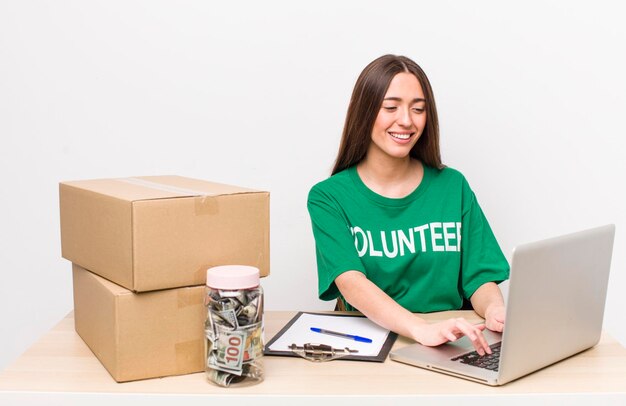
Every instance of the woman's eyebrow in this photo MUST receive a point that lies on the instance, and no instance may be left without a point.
(416, 100)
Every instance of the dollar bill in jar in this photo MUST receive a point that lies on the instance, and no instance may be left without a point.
(234, 325)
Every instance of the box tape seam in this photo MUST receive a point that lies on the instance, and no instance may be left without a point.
(165, 188)
(189, 356)
(188, 296)
(203, 205)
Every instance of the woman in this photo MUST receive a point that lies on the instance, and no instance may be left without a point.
(396, 231)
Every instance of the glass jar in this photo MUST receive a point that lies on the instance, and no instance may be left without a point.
(234, 325)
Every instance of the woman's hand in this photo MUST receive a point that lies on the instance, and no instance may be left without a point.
(450, 330)
(494, 317)
(488, 303)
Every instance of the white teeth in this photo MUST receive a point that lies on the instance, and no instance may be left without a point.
(400, 136)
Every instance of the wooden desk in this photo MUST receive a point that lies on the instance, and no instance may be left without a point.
(60, 369)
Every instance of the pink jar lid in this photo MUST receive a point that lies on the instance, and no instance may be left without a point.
(232, 277)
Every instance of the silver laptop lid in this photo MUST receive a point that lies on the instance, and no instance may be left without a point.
(556, 303)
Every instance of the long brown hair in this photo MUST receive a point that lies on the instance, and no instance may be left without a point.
(367, 97)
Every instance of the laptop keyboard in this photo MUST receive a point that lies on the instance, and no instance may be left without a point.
(487, 361)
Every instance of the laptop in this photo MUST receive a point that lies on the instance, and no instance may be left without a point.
(554, 309)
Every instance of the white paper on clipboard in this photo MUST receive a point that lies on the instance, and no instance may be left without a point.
(300, 332)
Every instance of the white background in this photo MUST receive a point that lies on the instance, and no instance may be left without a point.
(531, 98)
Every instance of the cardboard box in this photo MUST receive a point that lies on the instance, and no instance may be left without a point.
(161, 232)
(140, 335)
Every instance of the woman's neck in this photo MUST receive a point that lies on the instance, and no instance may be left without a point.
(394, 178)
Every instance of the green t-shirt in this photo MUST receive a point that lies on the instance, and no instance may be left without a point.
(428, 250)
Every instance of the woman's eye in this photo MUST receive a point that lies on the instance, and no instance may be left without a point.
(389, 108)
(418, 110)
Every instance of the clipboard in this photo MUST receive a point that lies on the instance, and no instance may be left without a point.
(297, 331)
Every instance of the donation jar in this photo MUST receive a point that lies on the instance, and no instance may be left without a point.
(234, 325)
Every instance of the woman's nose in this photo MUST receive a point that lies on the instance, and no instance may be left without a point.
(404, 118)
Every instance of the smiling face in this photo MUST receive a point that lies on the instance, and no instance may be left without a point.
(400, 120)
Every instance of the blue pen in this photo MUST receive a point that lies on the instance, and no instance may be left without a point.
(342, 335)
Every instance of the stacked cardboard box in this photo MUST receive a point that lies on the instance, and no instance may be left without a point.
(140, 248)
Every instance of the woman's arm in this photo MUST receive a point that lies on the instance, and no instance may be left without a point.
(487, 301)
(370, 300)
